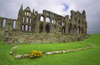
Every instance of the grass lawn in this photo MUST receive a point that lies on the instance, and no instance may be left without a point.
(83, 57)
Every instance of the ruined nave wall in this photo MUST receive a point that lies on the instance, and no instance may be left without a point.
(17, 37)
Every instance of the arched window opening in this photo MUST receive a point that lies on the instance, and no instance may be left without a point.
(74, 29)
(26, 27)
(41, 18)
(41, 28)
(54, 21)
(23, 19)
(30, 20)
(29, 28)
(79, 29)
(27, 20)
(14, 24)
(63, 30)
(25, 13)
(47, 28)
(47, 20)
(70, 28)
(75, 20)
(62, 24)
(22, 27)
(30, 14)
(4, 22)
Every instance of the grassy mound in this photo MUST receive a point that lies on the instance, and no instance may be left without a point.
(83, 57)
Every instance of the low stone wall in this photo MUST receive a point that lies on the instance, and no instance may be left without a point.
(17, 37)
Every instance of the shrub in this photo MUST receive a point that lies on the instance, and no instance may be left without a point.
(35, 54)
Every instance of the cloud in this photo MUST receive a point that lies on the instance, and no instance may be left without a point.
(9, 9)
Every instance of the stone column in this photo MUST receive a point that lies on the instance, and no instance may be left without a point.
(58, 30)
(50, 26)
(44, 25)
(66, 30)
(27, 27)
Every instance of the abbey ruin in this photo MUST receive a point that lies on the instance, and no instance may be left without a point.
(46, 27)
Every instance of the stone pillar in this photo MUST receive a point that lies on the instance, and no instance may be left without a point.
(50, 26)
(27, 27)
(66, 30)
(72, 29)
(58, 26)
(44, 25)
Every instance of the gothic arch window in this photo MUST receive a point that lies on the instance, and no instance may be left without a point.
(75, 20)
(14, 24)
(62, 24)
(22, 27)
(78, 29)
(48, 19)
(27, 20)
(41, 18)
(47, 28)
(26, 28)
(41, 28)
(74, 28)
(4, 22)
(29, 28)
(54, 21)
(25, 13)
(63, 29)
(70, 28)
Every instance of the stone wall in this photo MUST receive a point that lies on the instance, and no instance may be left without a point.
(32, 38)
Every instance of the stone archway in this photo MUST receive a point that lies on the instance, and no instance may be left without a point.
(70, 28)
(79, 29)
(63, 29)
(47, 28)
(41, 28)
(74, 30)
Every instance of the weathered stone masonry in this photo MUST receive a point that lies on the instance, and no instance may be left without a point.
(42, 23)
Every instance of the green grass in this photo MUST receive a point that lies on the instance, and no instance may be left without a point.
(83, 57)
(26, 48)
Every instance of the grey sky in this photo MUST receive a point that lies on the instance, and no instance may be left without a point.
(9, 9)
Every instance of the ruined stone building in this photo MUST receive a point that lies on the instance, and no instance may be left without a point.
(46, 22)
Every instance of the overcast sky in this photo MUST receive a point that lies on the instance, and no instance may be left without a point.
(9, 9)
